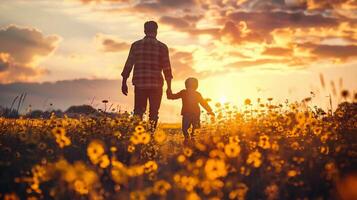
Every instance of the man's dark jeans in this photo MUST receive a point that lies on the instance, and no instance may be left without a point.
(142, 96)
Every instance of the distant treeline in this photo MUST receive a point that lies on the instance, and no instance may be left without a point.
(72, 111)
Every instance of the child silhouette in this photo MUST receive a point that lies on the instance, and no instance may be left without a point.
(191, 99)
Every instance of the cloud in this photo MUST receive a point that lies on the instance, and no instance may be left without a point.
(258, 62)
(330, 4)
(4, 62)
(316, 5)
(104, 1)
(175, 3)
(268, 21)
(259, 32)
(161, 6)
(240, 33)
(278, 51)
(111, 44)
(21, 49)
(175, 22)
(182, 64)
(343, 53)
(26, 44)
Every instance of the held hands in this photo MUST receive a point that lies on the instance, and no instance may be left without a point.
(168, 92)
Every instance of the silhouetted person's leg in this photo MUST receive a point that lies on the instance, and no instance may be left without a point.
(155, 96)
(140, 102)
(186, 124)
(195, 125)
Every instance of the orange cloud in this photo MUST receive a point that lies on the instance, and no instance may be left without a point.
(101, 1)
(330, 4)
(21, 49)
(268, 21)
(263, 31)
(182, 64)
(4, 62)
(278, 51)
(26, 44)
(111, 44)
(185, 22)
(258, 62)
(341, 52)
(240, 33)
(11, 71)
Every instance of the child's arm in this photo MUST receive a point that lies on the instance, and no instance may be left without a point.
(173, 96)
(206, 106)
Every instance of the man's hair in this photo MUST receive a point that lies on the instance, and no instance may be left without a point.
(150, 27)
(191, 83)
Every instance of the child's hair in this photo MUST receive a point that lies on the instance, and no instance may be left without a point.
(191, 83)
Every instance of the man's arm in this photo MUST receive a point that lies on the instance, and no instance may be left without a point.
(168, 82)
(166, 67)
(127, 70)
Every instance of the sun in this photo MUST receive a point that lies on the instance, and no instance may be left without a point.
(222, 99)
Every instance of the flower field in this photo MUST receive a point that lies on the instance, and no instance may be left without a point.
(265, 152)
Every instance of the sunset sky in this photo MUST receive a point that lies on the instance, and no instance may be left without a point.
(237, 49)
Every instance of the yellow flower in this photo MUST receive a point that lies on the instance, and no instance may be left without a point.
(324, 150)
(135, 139)
(220, 145)
(61, 139)
(215, 168)
(232, 150)
(234, 139)
(119, 175)
(239, 193)
(161, 187)
(80, 187)
(137, 195)
(140, 138)
(160, 136)
(131, 148)
(58, 131)
(139, 129)
(254, 159)
(196, 132)
(104, 161)
(264, 142)
(292, 173)
(150, 166)
(117, 134)
(136, 170)
(187, 151)
(199, 163)
(317, 130)
(275, 146)
(193, 196)
(186, 182)
(145, 138)
(95, 150)
(113, 149)
(295, 145)
(181, 158)
(324, 138)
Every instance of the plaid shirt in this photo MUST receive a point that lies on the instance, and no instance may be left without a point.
(149, 57)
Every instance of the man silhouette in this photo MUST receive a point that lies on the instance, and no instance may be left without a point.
(149, 57)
